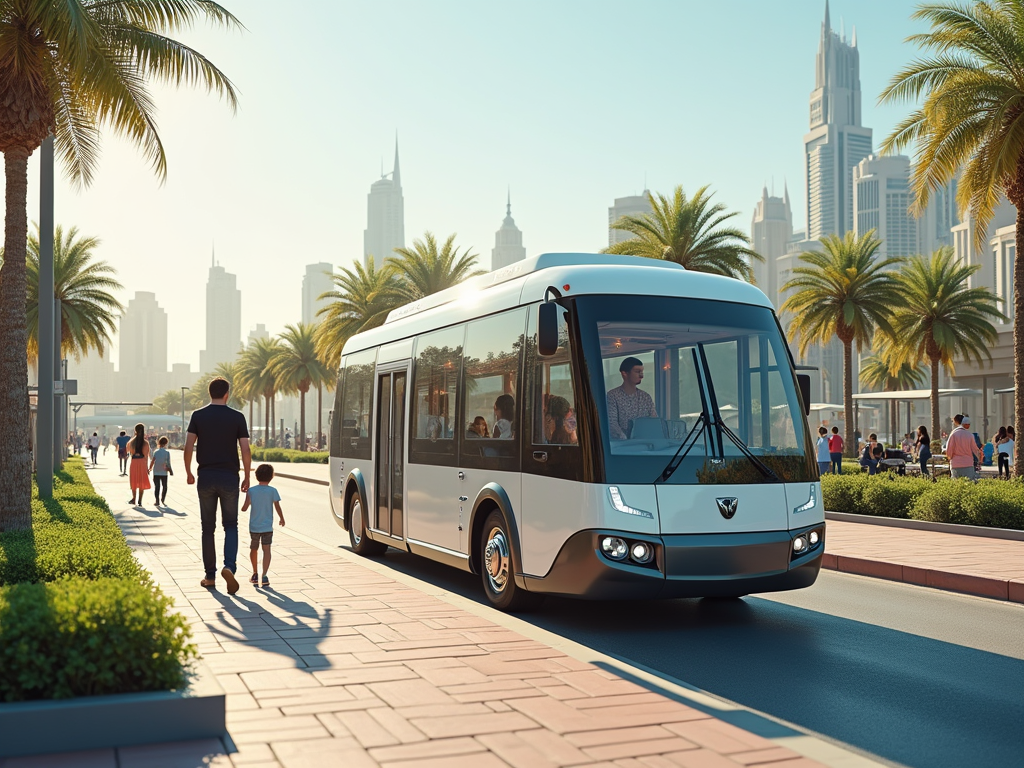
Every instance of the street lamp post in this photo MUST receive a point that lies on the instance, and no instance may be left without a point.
(45, 422)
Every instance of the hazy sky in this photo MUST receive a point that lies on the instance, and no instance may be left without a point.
(571, 103)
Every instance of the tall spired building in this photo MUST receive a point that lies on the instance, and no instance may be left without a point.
(385, 216)
(508, 241)
(223, 319)
(837, 141)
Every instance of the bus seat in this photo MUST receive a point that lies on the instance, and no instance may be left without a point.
(678, 429)
(648, 428)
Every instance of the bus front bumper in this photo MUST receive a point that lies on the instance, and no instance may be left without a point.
(685, 565)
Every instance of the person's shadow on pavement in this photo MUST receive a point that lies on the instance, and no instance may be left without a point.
(318, 630)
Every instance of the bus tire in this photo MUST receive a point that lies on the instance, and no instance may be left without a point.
(361, 543)
(496, 569)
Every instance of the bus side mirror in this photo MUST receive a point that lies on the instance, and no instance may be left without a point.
(805, 391)
(547, 329)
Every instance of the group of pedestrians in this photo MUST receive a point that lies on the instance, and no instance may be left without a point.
(1003, 442)
(829, 448)
(143, 462)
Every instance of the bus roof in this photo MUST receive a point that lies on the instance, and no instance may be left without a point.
(525, 282)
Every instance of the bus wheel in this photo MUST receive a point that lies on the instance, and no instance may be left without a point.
(361, 543)
(496, 570)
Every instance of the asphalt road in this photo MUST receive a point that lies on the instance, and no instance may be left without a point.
(915, 676)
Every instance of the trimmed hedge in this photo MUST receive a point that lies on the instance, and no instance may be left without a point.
(77, 637)
(289, 455)
(72, 534)
(78, 615)
(992, 503)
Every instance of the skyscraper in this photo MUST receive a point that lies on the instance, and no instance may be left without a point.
(315, 282)
(142, 354)
(385, 216)
(634, 205)
(508, 241)
(223, 319)
(771, 229)
(836, 141)
(881, 201)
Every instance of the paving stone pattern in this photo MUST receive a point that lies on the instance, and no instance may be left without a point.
(337, 664)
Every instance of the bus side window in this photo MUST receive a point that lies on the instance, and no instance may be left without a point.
(356, 401)
(551, 408)
(490, 391)
(434, 408)
(337, 415)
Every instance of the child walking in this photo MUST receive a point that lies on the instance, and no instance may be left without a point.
(263, 499)
(160, 466)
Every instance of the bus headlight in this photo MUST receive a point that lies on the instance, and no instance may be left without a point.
(799, 545)
(641, 552)
(813, 537)
(614, 547)
(621, 506)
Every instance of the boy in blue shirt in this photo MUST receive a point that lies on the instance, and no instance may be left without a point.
(263, 499)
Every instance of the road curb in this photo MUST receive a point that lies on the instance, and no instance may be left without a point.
(1010, 590)
(924, 525)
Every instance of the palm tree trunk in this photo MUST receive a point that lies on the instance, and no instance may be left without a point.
(936, 433)
(319, 414)
(302, 417)
(851, 445)
(273, 418)
(1018, 329)
(15, 437)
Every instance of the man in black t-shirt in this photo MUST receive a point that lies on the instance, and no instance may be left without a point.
(221, 433)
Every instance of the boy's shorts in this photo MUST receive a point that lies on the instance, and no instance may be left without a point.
(260, 538)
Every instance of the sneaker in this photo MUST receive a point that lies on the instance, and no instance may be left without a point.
(208, 583)
(229, 577)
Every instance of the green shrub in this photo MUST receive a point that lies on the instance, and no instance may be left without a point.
(72, 534)
(289, 455)
(890, 495)
(844, 493)
(78, 637)
(990, 503)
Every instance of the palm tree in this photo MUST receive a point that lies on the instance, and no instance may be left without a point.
(363, 298)
(876, 373)
(846, 292)
(256, 376)
(423, 269)
(970, 91)
(940, 317)
(297, 368)
(688, 231)
(65, 69)
(230, 372)
(328, 380)
(88, 310)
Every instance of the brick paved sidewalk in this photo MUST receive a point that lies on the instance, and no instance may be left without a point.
(960, 563)
(339, 663)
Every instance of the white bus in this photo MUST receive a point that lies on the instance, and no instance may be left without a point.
(597, 426)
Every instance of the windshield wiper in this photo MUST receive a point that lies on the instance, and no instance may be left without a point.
(722, 428)
(761, 466)
(680, 454)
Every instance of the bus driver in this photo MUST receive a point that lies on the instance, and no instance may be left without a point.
(626, 403)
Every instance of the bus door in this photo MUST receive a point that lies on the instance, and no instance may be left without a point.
(389, 485)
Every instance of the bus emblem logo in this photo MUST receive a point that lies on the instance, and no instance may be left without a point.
(727, 506)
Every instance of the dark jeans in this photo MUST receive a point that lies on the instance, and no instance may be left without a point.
(94, 452)
(837, 463)
(1004, 462)
(214, 486)
(160, 480)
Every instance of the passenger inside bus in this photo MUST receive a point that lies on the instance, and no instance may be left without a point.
(559, 422)
(627, 402)
(478, 428)
(504, 414)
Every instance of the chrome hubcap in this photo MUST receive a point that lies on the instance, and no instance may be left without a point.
(496, 560)
(357, 522)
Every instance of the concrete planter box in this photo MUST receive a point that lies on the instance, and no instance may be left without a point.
(119, 720)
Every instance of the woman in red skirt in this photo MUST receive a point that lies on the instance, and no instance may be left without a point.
(138, 473)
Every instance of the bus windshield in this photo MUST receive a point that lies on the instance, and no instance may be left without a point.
(693, 392)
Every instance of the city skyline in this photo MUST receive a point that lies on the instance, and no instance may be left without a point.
(228, 183)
